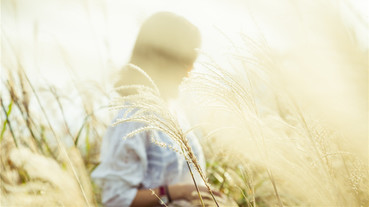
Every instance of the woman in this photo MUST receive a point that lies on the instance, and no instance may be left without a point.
(165, 50)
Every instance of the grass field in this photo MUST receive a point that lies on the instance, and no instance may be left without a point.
(278, 127)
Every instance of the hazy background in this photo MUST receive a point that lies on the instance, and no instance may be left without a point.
(96, 37)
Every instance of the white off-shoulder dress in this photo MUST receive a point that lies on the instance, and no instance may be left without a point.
(137, 163)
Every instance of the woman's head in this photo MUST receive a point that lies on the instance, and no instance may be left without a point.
(165, 49)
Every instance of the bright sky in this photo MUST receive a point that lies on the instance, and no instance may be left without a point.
(49, 35)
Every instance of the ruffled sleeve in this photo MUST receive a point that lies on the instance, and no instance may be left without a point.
(123, 165)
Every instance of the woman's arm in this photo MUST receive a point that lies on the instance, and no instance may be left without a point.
(145, 197)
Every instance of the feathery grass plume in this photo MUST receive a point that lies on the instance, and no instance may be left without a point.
(295, 149)
(219, 86)
(147, 107)
(46, 184)
(304, 150)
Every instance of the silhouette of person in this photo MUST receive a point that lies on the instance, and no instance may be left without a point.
(165, 50)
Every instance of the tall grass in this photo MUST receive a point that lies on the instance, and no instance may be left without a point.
(293, 153)
(256, 116)
(42, 161)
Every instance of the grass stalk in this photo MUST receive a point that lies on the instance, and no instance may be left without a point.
(7, 122)
(194, 182)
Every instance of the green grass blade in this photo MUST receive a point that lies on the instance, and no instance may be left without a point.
(6, 120)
